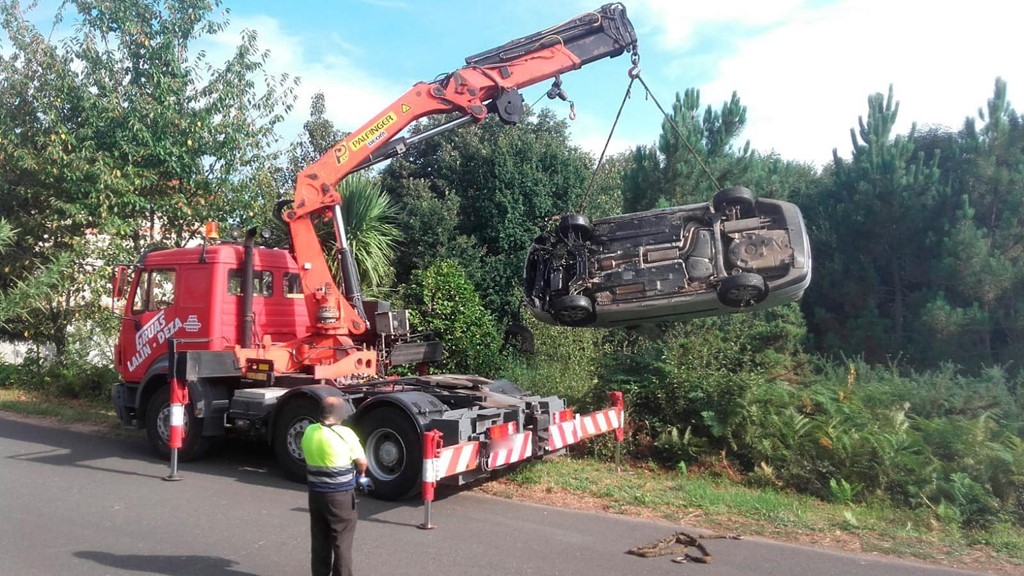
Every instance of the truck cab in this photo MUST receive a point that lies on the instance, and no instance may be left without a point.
(195, 296)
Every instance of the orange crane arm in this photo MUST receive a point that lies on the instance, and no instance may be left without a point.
(489, 83)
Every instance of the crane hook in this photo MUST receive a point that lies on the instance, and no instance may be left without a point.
(634, 70)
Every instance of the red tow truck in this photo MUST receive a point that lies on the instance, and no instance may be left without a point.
(261, 335)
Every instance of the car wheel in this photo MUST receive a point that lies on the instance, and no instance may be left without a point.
(289, 426)
(575, 227)
(743, 289)
(394, 452)
(158, 428)
(574, 310)
(738, 199)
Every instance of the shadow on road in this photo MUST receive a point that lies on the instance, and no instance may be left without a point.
(70, 447)
(129, 455)
(168, 565)
(66, 446)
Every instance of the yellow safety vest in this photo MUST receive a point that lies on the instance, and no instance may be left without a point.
(329, 452)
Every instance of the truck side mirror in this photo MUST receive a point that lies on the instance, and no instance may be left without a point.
(119, 283)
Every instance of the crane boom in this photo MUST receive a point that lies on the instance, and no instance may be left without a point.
(489, 83)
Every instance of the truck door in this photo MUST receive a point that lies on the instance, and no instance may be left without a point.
(152, 320)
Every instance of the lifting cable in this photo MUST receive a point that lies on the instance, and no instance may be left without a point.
(634, 75)
(668, 118)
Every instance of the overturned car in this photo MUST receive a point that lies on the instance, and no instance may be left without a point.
(734, 254)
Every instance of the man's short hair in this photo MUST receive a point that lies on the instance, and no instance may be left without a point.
(332, 409)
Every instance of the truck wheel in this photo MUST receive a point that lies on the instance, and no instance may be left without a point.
(158, 428)
(394, 452)
(289, 426)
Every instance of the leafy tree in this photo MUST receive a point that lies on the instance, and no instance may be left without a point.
(430, 227)
(120, 135)
(771, 176)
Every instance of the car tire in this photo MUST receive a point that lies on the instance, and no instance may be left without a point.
(574, 310)
(394, 452)
(158, 417)
(741, 290)
(289, 426)
(575, 227)
(738, 198)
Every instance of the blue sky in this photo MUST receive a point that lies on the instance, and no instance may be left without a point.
(803, 68)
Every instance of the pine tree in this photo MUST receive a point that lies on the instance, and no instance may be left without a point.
(984, 251)
(873, 245)
(694, 152)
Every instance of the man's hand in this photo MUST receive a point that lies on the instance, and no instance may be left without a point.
(363, 484)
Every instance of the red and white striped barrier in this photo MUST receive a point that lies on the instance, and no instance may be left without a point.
(452, 460)
(562, 434)
(510, 450)
(599, 422)
(505, 446)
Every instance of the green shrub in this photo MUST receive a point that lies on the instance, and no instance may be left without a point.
(70, 379)
(565, 363)
(444, 302)
(687, 384)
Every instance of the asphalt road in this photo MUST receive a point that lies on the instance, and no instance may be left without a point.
(83, 504)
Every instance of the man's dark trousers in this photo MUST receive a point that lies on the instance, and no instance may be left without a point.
(332, 517)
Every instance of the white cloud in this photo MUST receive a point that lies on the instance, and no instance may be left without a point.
(675, 23)
(352, 94)
(806, 80)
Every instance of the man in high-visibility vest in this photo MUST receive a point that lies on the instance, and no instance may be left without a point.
(335, 468)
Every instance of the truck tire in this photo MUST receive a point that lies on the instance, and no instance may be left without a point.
(289, 426)
(158, 428)
(394, 452)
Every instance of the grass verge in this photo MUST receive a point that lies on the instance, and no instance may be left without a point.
(723, 506)
(92, 411)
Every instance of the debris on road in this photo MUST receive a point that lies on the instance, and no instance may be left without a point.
(679, 544)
